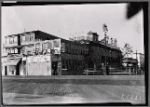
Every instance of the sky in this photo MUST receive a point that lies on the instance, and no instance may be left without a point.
(76, 20)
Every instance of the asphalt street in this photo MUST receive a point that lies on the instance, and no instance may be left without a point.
(73, 89)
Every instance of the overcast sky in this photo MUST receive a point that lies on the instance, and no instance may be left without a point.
(74, 20)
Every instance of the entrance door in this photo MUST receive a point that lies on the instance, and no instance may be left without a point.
(5, 70)
(54, 68)
(17, 69)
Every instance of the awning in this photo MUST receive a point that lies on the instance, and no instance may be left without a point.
(11, 62)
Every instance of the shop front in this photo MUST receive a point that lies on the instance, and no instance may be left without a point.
(11, 67)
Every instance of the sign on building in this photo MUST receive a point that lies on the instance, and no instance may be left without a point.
(39, 65)
(57, 46)
(38, 58)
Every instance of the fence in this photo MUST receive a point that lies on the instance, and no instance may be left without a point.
(113, 71)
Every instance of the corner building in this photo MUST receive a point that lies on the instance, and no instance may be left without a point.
(52, 55)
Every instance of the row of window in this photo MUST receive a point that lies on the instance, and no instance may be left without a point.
(73, 49)
(47, 45)
(28, 37)
(11, 39)
(12, 50)
(110, 59)
(24, 38)
(38, 47)
(72, 64)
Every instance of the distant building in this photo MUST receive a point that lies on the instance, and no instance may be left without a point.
(40, 53)
(142, 61)
(130, 64)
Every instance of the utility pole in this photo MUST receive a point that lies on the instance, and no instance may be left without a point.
(105, 36)
(136, 60)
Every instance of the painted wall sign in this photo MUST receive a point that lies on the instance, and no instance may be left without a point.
(39, 58)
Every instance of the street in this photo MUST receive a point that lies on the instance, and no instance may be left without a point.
(73, 89)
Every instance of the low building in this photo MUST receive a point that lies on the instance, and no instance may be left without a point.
(130, 64)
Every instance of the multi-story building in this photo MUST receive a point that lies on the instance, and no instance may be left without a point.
(31, 53)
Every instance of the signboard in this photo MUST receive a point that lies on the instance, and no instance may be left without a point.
(57, 46)
(38, 58)
(39, 65)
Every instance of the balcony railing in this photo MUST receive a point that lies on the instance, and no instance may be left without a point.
(10, 45)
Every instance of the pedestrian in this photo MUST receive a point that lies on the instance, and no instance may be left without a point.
(54, 67)
(107, 69)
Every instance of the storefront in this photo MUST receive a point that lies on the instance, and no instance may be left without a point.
(11, 67)
(39, 65)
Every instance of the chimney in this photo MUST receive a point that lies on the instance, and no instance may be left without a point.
(94, 36)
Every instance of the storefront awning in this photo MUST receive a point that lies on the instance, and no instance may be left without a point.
(11, 62)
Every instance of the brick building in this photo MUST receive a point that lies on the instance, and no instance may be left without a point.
(59, 56)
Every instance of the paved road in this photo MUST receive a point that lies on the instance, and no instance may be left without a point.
(98, 90)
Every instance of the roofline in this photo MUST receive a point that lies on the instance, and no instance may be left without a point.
(22, 33)
(61, 38)
(107, 46)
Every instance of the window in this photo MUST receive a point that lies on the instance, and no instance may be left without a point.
(64, 64)
(23, 38)
(10, 40)
(56, 43)
(11, 50)
(66, 48)
(15, 39)
(45, 46)
(16, 50)
(37, 47)
(6, 39)
(32, 36)
(103, 59)
(63, 47)
(8, 50)
(50, 45)
(27, 37)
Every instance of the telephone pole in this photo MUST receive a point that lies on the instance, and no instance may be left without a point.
(105, 36)
(136, 60)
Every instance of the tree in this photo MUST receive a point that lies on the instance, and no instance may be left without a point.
(127, 50)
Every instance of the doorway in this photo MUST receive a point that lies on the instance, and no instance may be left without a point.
(5, 70)
(54, 68)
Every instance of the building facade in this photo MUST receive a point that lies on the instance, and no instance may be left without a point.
(131, 65)
(52, 55)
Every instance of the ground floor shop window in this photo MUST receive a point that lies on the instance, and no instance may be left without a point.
(64, 64)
